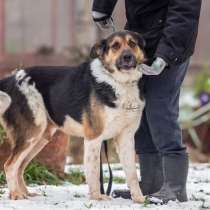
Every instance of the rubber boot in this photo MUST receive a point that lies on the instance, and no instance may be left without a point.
(151, 176)
(175, 171)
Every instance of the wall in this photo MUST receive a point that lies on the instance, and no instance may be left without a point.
(29, 24)
(59, 23)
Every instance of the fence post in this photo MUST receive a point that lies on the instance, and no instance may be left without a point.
(2, 27)
(72, 23)
(54, 23)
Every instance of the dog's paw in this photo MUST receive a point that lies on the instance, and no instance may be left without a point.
(17, 196)
(139, 199)
(100, 197)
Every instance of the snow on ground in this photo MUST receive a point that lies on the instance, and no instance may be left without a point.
(76, 198)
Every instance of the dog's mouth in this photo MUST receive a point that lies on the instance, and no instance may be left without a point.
(126, 62)
(126, 66)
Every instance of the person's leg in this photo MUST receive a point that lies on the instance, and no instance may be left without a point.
(143, 139)
(149, 158)
(162, 109)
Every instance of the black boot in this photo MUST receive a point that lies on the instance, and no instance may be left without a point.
(151, 176)
(175, 171)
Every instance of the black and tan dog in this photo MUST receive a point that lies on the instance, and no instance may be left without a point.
(97, 100)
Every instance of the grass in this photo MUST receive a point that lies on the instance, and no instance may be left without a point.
(146, 203)
(77, 195)
(116, 179)
(1, 192)
(2, 178)
(2, 135)
(38, 174)
(44, 193)
(77, 177)
(35, 173)
(88, 206)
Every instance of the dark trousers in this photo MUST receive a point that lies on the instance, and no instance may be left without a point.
(159, 130)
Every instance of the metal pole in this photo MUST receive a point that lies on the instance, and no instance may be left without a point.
(2, 27)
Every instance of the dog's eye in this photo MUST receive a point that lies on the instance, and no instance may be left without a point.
(132, 44)
(116, 46)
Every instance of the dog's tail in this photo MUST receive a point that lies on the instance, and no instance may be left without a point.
(5, 101)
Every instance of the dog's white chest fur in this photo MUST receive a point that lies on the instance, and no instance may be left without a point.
(129, 106)
(126, 113)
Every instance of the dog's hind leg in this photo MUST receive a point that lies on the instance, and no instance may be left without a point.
(21, 155)
(41, 143)
(12, 166)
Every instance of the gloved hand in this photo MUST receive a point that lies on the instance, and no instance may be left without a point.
(155, 69)
(103, 21)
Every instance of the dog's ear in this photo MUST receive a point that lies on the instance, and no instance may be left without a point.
(98, 49)
(141, 40)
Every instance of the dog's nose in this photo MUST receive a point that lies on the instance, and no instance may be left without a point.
(126, 61)
(127, 57)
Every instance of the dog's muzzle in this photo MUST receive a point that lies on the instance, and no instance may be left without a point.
(126, 61)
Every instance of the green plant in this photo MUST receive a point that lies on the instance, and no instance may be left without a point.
(116, 179)
(44, 193)
(202, 82)
(2, 135)
(88, 206)
(1, 192)
(2, 178)
(37, 173)
(75, 177)
(77, 195)
(146, 203)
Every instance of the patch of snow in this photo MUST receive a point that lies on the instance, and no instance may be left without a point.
(74, 197)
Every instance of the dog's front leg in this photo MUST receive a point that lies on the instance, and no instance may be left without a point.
(126, 151)
(92, 150)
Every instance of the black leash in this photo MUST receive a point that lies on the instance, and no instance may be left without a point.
(109, 188)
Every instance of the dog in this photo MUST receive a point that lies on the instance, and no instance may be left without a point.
(99, 99)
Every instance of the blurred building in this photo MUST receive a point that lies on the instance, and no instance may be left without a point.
(27, 25)
(30, 24)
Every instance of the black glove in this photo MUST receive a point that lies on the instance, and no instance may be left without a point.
(103, 20)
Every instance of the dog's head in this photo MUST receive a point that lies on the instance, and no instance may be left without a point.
(120, 53)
